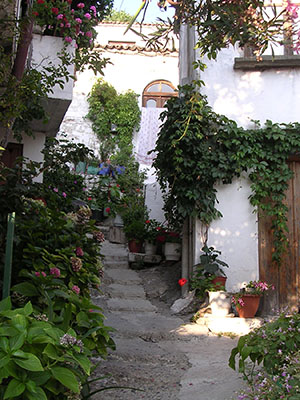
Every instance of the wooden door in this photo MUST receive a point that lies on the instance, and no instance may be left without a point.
(286, 277)
(12, 151)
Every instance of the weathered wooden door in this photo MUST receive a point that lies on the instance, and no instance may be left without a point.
(285, 278)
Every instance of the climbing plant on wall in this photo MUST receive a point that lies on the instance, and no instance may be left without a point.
(114, 117)
(198, 149)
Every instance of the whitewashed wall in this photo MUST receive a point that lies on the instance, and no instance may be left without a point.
(242, 96)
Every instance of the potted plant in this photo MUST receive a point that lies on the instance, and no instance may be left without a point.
(135, 234)
(134, 213)
(152, 230)
(172, 246)
(210, 269)
(247, 300)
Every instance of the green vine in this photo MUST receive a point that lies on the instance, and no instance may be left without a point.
(198, 149)
(115, 117)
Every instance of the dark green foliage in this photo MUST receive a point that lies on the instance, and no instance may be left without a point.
(198, 149)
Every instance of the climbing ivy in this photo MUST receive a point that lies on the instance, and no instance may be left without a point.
(115, 117)
(198, 149)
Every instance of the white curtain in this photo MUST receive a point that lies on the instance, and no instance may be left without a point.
(147, 135)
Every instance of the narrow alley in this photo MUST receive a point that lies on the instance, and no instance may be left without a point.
(162, 356)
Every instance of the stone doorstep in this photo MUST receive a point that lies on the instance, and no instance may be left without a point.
(146, 258)
(230, 324)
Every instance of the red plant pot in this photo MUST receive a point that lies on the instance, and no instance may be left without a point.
(219, 282)
(135, 246)
(250, 307)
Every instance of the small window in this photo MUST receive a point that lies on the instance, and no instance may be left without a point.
(157, 93)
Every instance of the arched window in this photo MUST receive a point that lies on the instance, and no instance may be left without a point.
(157, 93)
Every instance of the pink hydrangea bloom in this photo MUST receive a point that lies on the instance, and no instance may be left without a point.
(55, 272)
(78, 20)
(80, 5)
(68, 39)
(76, 289)
(60, 16)
(88, 16)
(88, 34)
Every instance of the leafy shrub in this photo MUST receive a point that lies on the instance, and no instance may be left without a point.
(38, 360)
(270, 345)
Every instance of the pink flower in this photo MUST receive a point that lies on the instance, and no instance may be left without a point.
(68, 25)
(68, 39)
(88, 16)
(63, 193)
(60, 16)
(61, 25)
(79, 252)
(55, 272)
(93, 9)
(78, 20)
(80, 5)
(43, 274)
(76, 289)
(89, 34)
(37, 274)
(55, 190)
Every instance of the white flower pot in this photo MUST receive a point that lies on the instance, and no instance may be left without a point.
(220, 303)
(150, 248)
(172, 251)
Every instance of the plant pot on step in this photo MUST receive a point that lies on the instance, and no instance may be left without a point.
(172, 251)
(135, 246)
(220, 303)
(250, 307)
(219, 282)
(150, 248)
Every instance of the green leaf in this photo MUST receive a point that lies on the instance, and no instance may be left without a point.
(4, 361)
(4, 344)
(51, 352)
(14, 389)
(5, 305)
(234, 352)
(66, 377)
(32, 363)
(17, 342)
(38, 394)
(84, 362)
(26, 289)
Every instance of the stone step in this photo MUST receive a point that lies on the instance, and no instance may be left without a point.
(125, 291)
(123, 276)
(116, 264)
(149, 326)
(113, 258)
(137, 305)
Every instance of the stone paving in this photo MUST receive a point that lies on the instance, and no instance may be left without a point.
(157, 353)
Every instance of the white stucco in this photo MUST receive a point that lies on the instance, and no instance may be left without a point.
(235, 234)
(45, 52)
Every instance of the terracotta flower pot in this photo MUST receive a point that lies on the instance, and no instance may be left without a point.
(250, 307)
(219, 282)
(135, 246)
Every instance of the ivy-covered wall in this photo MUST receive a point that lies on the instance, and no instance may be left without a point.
(244, 96)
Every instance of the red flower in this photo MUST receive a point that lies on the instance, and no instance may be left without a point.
(40, 1)
(89, 198)
(158, 228)
(148, 221)
(107, 210)
(182, 281)
(35, 13)
(137, 189)
(118, 185)
(55, 10)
